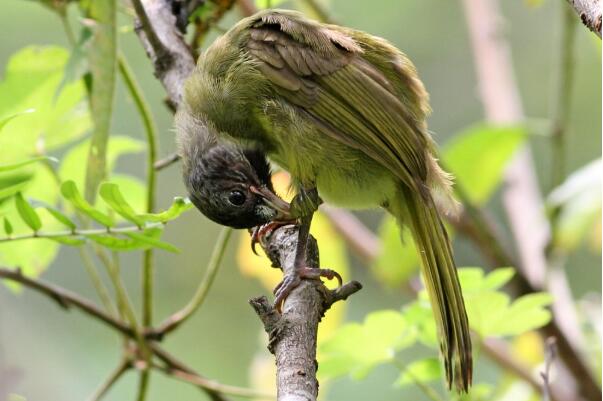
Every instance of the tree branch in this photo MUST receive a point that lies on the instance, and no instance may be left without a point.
(292, 334)
(66, 298)
(589, 12)
(165, 46)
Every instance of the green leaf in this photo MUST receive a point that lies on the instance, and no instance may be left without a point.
(7, 119)
(70, 192)
(8, 228)
(179, 206)
(419, 317)
(71, 241)
(61, 217)
(473, 278)
(152, 241)
(133, 189)
(27, 213)
(6, 192)
(31, 80)
(576, 207)
(112, 196)
(72, 162)
(398, 258)
(357, 348)
(118, 244)
(421, 371)
(32, 256)
(14, 166)
(491, 312)
(102, 60)
(487, 146)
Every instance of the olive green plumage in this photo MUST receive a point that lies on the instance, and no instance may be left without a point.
(344, 111)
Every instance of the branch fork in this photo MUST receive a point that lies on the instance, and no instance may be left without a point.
(292, 334)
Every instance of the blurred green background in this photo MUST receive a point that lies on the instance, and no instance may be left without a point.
(52, 355)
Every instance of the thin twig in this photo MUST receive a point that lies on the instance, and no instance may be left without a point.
(212, 385)
(123, 300)
(151, 36)
(173, 363)
(171, 56)
(499, 352)
(97, 282)
(80, 232)
(65, 298)
(118, 372)
(166, 161)
(150, 128)
(175, 320)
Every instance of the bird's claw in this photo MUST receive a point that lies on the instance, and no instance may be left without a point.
(258, 233)
(293, 280)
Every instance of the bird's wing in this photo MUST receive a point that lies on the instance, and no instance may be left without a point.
(366, 100)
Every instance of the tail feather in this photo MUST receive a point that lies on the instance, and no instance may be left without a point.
(441, 283)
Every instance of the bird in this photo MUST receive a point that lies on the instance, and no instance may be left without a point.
(230, 185)
(344, 112)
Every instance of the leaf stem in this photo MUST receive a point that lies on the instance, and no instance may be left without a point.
(175, 320)
(151, 133)
(80, 232)
(101, 289)
(123, 300)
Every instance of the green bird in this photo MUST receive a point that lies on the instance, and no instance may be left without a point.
(345, 113)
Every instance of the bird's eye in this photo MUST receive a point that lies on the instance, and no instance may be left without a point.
(237, 198)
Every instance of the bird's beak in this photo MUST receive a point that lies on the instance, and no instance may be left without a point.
(282, 208)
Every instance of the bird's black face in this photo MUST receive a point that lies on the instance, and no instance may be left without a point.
(233, 187)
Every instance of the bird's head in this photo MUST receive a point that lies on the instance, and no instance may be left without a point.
(233, 187)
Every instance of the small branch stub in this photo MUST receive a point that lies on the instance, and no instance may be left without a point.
(589, 12)
(292, 334)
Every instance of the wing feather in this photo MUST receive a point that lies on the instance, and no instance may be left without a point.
(322, 71)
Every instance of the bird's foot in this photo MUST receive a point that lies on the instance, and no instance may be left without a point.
(258, 233)
(293, 280)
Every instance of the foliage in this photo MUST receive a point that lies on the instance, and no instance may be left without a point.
(356, 349)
